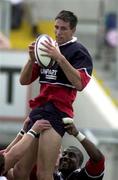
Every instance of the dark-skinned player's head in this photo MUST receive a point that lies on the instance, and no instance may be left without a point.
(72, 159)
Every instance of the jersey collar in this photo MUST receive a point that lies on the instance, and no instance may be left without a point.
(74, 39)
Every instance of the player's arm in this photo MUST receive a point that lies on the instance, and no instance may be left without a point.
(19, 135)
(18, 150)
(17, 138)
(91, 149)
(27, 71)
(96, 163)
(71, 73)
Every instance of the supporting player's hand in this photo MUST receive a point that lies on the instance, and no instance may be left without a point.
(71, 129)
(25, 124)
(41, 125)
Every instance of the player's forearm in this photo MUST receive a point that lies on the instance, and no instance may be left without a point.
(91, 149)
(18, 138)
(93, 152)
(18, 150)
(26, 73)
(71, 73)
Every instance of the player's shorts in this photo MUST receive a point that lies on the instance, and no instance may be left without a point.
(52, 114)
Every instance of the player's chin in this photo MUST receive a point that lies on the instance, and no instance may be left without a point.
(59, 40)
(63, 168)
(64, 165)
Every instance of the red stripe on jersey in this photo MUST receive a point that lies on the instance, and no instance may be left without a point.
(93, 168)
(85, 78)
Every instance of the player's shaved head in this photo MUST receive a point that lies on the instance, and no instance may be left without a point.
(78, 152)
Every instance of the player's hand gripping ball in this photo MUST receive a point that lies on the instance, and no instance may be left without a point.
(42, 58)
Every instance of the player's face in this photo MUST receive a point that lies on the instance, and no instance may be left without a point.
(68, 162)
(63, 32)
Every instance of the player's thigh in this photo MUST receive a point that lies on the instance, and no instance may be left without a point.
(49, 146)
(25, 164)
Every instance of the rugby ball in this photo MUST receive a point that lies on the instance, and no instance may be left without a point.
(41, 56)
(67, 120)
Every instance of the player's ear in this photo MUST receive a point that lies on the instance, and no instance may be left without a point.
(73, 30)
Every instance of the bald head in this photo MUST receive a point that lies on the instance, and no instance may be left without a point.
(78, 152)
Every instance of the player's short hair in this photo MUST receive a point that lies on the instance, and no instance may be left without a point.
(78, 152)
(2, 163)
(68, 16)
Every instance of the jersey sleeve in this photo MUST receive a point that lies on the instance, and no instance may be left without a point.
(95, 169)
(85, 78)
(83, 63)
(35, 72)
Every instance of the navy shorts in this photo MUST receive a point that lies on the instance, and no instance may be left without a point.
(52, 114)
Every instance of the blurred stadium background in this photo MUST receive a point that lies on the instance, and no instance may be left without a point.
(96, 108)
